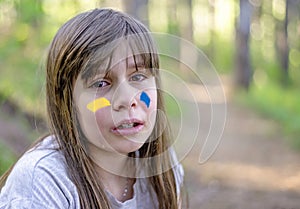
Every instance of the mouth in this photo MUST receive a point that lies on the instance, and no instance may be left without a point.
(128, 127)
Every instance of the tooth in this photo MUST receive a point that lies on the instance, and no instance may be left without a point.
(130, 125)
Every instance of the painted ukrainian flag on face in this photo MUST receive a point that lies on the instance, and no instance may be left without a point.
(102, 102)
(145, 98)
(98, 104)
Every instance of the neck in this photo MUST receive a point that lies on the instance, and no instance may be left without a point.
(115, 180)
(114, 171)
(113, 165)
(111, 162)
(108, 161)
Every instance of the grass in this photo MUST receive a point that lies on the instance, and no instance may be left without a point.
(278, 103)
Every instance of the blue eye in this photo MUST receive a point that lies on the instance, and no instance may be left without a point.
(138, 77)
(100, 84)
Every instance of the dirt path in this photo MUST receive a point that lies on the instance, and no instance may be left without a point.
(253, 168)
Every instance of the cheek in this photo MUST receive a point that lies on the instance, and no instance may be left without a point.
(151, 109)
(101, 109)
(88, 123)
(103, 118)
(91, 120)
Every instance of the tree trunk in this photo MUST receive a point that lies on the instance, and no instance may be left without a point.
(186, 20)
(137, 9)
(212, 31)
(282, 46)
(285, 47)
(243, 66)
(173, 19)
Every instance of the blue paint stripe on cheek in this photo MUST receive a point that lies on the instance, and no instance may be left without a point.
(145, 98)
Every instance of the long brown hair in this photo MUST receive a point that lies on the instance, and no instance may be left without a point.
(73, 50)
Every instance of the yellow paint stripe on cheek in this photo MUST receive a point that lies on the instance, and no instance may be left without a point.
(98, 104)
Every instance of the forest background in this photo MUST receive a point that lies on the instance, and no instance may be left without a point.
(254, 43)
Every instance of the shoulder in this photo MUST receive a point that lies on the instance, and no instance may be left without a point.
(40, 177)
(41, 159)
(177, 167)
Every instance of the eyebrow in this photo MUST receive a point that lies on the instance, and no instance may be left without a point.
(135, 61)
(95, 68)
(104, 69)
(135, 65)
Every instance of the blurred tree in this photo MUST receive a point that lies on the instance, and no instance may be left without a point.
(212, 33)
(282, 45)
(137, 9)
(29, 12)
(294, 42)
(243, 66)
(173, 20)
(186, 19)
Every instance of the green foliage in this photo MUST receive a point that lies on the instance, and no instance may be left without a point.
(224, 52)
(21, 52)
(7, 158)
(29, 11)
(20, 78)
(172, 108)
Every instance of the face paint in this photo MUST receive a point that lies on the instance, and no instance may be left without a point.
(145, 98)
(98, 104)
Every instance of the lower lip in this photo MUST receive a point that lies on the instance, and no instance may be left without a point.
(128, 131)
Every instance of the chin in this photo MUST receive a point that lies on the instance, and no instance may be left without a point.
(129, 147)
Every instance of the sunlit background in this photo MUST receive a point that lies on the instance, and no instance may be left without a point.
(255, 48)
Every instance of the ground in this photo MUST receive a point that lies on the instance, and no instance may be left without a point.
(254, 166)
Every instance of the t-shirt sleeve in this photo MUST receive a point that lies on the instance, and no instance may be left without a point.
(24, 204)
(178, 171)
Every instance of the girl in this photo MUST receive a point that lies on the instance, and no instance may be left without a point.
(108, 145)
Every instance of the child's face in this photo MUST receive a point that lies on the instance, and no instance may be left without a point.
(117, 110)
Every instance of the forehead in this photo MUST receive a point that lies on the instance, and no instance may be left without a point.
(125, 54)
(130, 49)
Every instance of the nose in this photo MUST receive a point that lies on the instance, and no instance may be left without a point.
(124, 97)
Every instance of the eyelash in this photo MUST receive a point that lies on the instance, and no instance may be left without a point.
(140, 77)
(98, 83)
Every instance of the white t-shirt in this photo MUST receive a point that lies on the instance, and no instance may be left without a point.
(40, 180)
